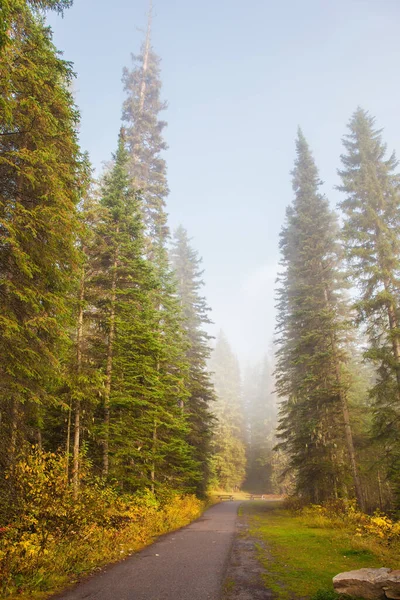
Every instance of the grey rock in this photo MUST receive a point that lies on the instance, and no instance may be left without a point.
(363, 583)
(391, 585)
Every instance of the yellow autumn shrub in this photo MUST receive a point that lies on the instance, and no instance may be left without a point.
(344, 514)
(48, 538)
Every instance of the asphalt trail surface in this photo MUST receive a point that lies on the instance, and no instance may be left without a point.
(189, 564)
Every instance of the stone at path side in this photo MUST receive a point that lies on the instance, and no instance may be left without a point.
(372, 584)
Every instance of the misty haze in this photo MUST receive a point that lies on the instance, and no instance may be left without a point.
(199, 299)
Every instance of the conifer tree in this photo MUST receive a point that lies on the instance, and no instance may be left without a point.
(120, 280)
(311, 354)
(141, 110)
(186, 266)
(229, 453)
(83, 379)
(147, 169)
(372, 240)
(143, 430)
(42, 177)
(10, 9)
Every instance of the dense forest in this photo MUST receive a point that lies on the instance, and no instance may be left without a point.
(112, 386)
(104, 326)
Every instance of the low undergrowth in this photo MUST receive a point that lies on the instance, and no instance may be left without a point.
(51, 538)
(304, 549)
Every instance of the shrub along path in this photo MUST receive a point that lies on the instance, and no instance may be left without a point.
(189, 564)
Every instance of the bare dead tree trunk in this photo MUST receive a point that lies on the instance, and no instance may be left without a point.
(146, 58)
(77, 422)
(110, 350)
(142, 93)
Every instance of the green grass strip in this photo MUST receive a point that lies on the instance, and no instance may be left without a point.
(301, 555)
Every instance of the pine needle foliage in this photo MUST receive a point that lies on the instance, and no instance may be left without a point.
(187, 270)
(311, 325)
(143, 427)
(42, 178)
(371, 232)
(144, 128)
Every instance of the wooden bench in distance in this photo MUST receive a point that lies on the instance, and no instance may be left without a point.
(225, 497)
(257, 497)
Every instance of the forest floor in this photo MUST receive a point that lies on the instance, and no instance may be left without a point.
(283, 555)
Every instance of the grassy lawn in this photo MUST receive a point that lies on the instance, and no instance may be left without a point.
(301, 555)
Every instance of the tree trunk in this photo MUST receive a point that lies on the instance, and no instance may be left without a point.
(393, 325)
(14, 431)
(391, 312)
(349, 442)
(77, 423)
(110, 349)
(346, 420)
(142, 93)
(68, 442)
(146, 58)
(380, 490)
(153, 467)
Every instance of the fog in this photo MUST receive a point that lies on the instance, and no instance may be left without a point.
(239, 77)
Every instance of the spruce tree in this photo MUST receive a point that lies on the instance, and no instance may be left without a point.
(311, 354)
(10, 9)
(119, 282)
(42, 176)
(147, 169)
(187, 270)
(145, 142)
(372, 240)
(83, 378)
(143, 428)
(229, 452)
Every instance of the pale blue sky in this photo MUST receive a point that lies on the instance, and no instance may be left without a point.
(239, 77)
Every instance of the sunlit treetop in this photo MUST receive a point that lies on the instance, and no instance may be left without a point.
(11, 9)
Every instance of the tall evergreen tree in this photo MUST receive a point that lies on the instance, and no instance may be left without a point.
(372, 240)
(143, 430)
(84, 380)
(311, 354)
(229, 453)
(147, 169)
(42, 177)
(187, 269)
(144, 129)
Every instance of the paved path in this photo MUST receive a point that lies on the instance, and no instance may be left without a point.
(189, 564)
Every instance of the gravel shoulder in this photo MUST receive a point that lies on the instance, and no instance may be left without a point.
(243, 579)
